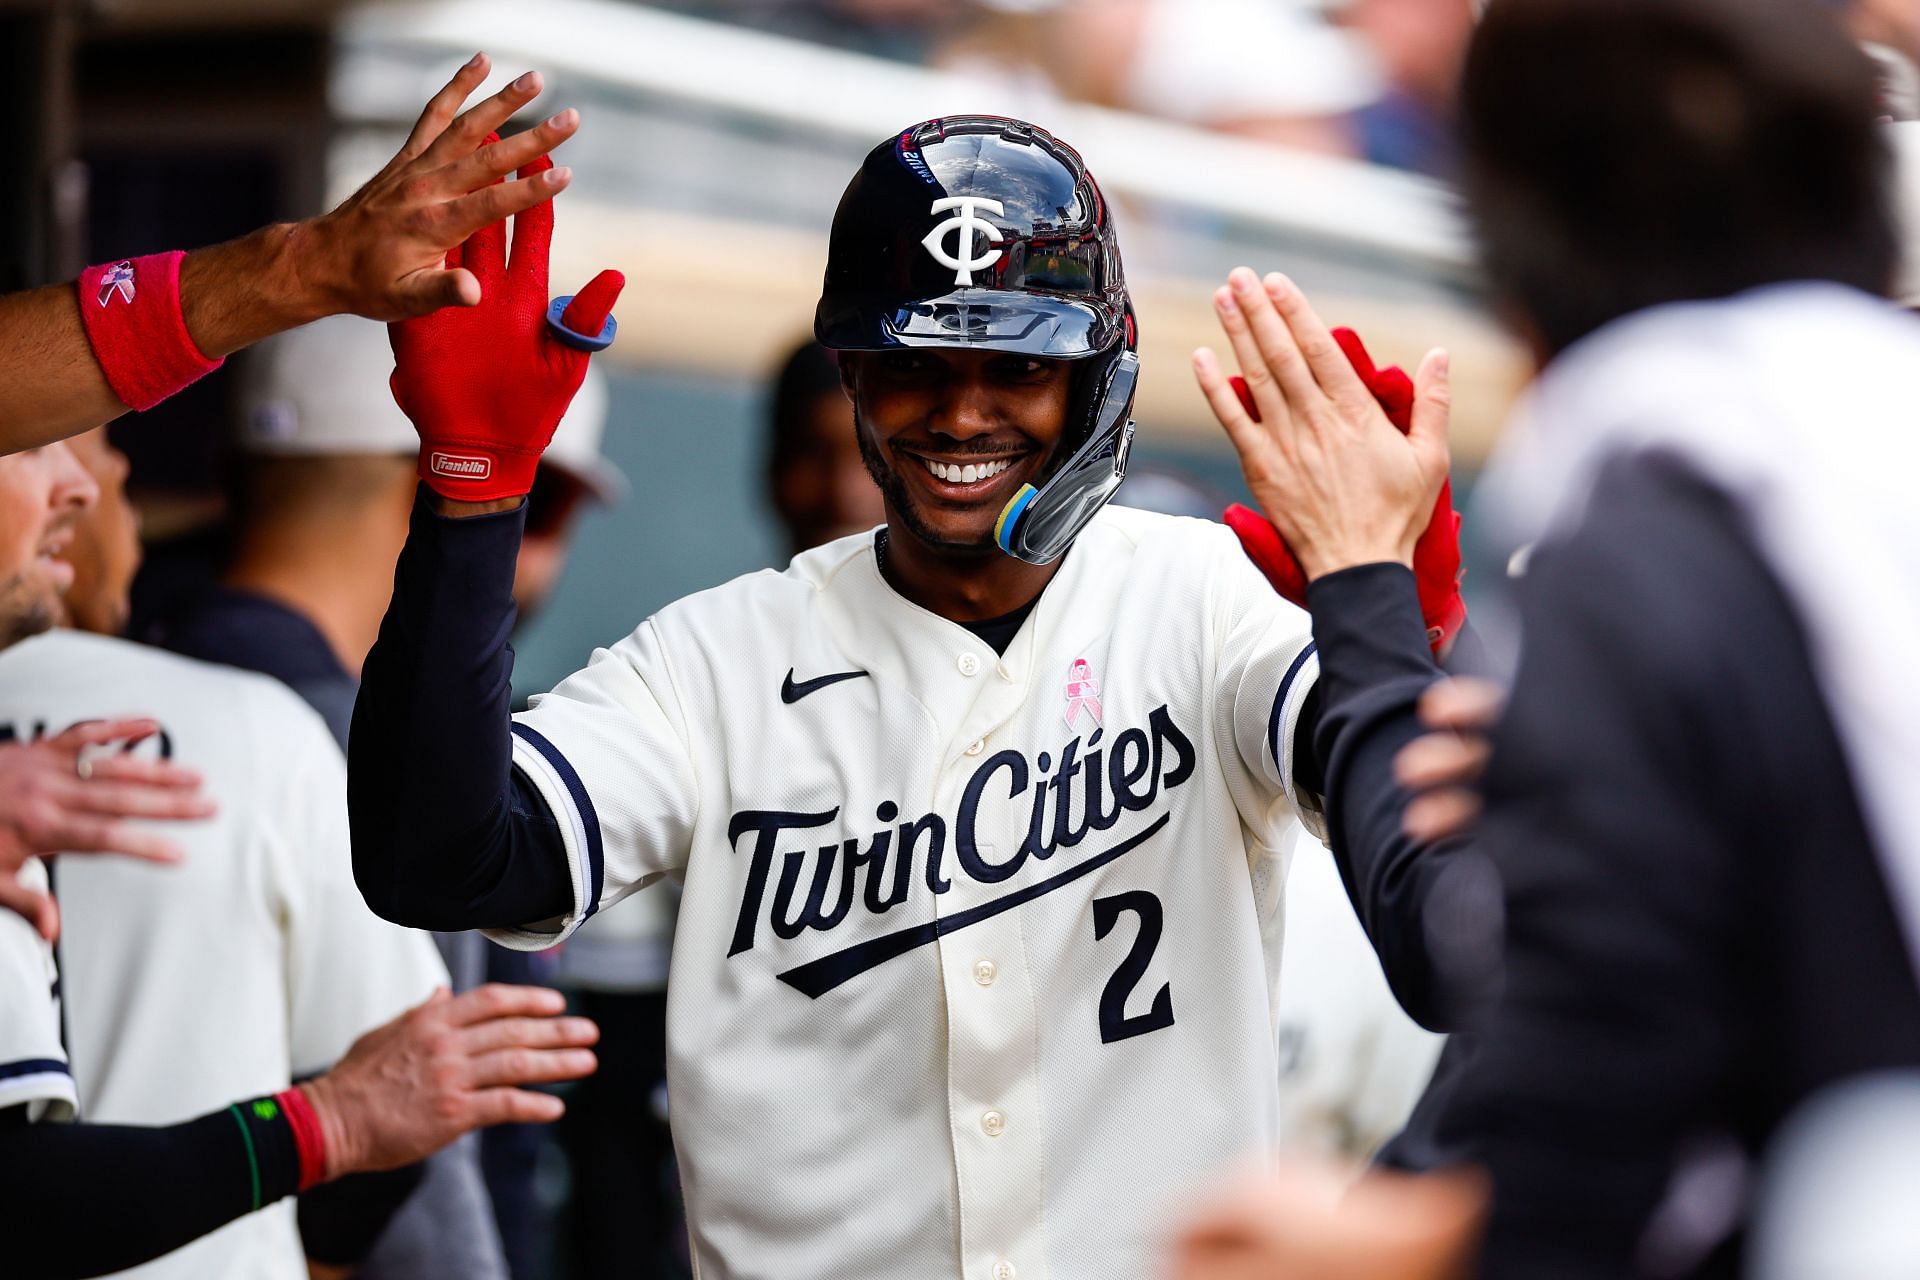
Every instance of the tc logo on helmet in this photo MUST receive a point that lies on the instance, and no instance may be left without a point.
(963, 225)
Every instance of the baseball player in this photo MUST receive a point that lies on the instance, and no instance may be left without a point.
(84, 1199)
(980, 817)
(260, 909)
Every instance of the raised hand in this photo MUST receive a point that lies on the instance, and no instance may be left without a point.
(71, 794)
(1339, 482)
(1436, 556)
(384, 252)
(486, 385)
(444, 1068)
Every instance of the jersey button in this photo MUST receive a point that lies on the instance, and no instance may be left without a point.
(1003, 1270)
(993, 1124)
(975, 747)
(1004, 671)
(969, 664)
(985, 971)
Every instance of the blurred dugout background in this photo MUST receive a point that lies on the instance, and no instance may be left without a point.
(1299, 135)
(718, 137)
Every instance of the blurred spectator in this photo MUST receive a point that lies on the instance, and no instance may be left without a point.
(1419, 46)
(818, 484)
(902, 29)
(263, 906)
(1270, 69)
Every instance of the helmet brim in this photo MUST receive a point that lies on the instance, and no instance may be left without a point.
(976, 319)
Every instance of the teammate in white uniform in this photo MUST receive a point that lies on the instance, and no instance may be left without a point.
(86, 1199)
(33, 1059)
(1352, 1063)
(261, 914)
(250, 964)
(982, 845)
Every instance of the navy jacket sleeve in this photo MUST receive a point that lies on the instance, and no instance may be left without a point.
(1697, 934)
(446, 835)
(1426, 909)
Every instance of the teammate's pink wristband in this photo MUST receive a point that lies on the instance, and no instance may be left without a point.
(308, 1137)
(131, 310)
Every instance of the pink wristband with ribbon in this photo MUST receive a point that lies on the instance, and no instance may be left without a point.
(131, 310)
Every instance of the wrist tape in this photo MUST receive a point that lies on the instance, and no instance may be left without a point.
(307, 1136)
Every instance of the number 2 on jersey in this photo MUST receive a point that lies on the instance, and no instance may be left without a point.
(1114, 1022)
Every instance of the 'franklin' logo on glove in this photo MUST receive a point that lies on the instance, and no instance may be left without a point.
(460, 466)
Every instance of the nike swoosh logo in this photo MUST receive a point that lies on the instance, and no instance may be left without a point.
(817, 977)
(791, 693)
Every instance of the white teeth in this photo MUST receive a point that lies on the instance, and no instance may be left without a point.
(968, 474)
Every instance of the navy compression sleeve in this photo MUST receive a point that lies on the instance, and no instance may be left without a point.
(446, 835)
(1374, 665)
(89, 1199)
(340, 1221)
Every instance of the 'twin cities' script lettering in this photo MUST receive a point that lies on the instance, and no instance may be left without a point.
(1087, 792)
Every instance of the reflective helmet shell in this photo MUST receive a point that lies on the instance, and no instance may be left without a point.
(974, 231)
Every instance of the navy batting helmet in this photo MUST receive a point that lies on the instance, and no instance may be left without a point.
(986, 233)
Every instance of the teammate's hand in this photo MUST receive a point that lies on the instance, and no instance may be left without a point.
(383, 253)
(1445, 766)
(1341, 485)
(445, 1068)
(1314, 1222)
(69, 794)
(1436, 556)
(486, 386)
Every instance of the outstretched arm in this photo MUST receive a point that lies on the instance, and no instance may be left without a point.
(1352, 496)
(446, 834)
(381, 254)
(404, 1090)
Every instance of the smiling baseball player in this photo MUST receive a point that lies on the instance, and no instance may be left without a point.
(980, 817)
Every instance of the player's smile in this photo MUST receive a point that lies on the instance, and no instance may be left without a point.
(951, 435)
(965, 478)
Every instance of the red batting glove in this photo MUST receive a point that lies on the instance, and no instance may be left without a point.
(486, 385)
(1436, 556)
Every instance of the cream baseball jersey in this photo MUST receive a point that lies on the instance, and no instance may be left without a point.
(253, 961)
(33, 1061)
(975, 967)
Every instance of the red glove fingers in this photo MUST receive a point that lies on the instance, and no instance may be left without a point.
(1436, 556)
(588, 311)
(532, 237)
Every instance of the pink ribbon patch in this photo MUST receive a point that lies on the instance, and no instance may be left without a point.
(1083, 692)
